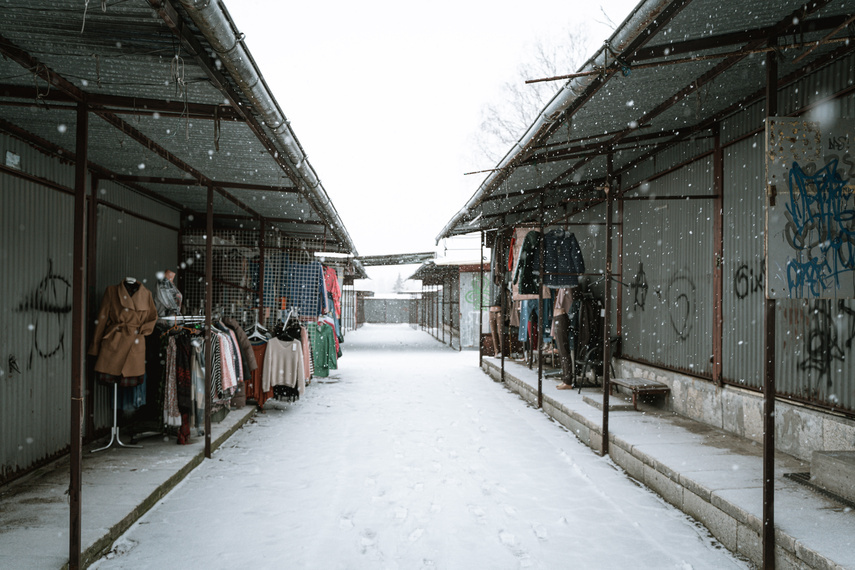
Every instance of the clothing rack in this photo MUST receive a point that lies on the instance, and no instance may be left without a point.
(257, 331)
(182, 319)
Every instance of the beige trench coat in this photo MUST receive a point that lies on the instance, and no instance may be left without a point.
(123, 322)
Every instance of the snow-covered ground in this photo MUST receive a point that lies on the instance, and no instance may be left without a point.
(410, 457)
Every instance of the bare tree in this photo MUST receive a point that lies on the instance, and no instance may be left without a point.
(504, 121)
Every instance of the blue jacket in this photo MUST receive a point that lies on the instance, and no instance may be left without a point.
(562, 259)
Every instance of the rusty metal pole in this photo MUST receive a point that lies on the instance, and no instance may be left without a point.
(442, 312)
(209, 338)
(78, 327)
(261, 254)
(480, 307)
(769, 362)
(619, 299)
(503, 300)
(718, 245)
(541, 321)
(91, 299)
(607, 298)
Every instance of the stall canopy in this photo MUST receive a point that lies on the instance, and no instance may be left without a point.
(177, 105)
(396, 259)
(670, 72)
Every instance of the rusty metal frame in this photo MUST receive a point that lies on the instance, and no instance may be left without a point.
(769, 362)
(78, 327)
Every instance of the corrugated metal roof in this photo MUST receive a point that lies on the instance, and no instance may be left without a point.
(160, 109)
(635, 97)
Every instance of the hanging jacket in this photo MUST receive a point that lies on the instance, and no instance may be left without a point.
(123, 321)
(248, 356)
(562, 259)
(331, 282)
(527, 275)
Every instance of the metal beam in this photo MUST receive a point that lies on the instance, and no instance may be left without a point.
(193, 182)
(396, 259)
(271, 220)
(734, 38)
(120, 104)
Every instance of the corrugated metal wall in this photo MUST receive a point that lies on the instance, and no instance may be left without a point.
(387, 310)
(744, 264)
(668, 272)
(672, 245)
(36, 239)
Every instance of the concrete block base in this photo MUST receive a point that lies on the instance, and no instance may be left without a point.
(835, 472)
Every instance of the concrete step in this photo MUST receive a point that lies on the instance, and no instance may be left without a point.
(835, 472)
(617, 403)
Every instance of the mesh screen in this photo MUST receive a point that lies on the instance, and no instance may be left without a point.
(288, 278)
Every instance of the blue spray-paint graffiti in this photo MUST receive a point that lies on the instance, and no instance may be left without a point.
(821, 226)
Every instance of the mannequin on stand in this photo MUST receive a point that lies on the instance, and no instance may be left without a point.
(127, 314)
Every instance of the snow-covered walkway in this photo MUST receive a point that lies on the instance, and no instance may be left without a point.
(410, 457)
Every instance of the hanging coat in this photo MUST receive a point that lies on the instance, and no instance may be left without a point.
(123, 322)
(528, 269)
(562, 259)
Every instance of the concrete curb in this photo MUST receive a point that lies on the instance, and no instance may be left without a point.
(103, 545)
(737, 529)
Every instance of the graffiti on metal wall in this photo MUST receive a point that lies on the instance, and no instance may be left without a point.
(478, 295)
(681, 299)
(820, 228)
(749, 280)
(49, 304)
(810, 208)
(829, 339)
(639, 288)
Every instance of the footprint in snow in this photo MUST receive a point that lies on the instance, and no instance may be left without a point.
(540, 532)
(401, 513)
(416, 534)
(345, 523)
(368, 539)
(478, 513)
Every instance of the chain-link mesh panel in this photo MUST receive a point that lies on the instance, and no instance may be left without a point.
(288, 278)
